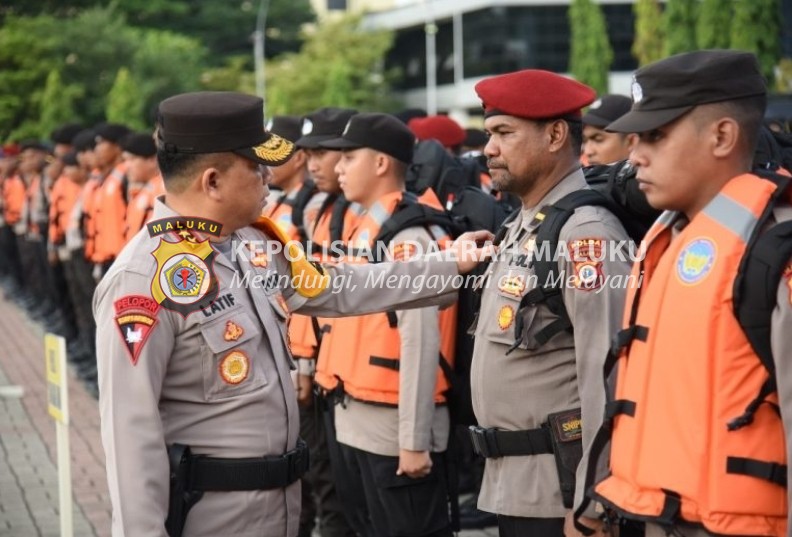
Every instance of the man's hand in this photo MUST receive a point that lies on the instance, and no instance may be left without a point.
(414, 463)
(304, 390)
(594, 523)
(471, 248)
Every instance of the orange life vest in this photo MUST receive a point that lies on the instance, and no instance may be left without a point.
(361, 355)
(109, 211)
(142, 206)
(88, 198)
(63, 197)
(282, 211)
(13, 199)
(688, 373)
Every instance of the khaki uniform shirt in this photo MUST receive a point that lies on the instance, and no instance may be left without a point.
(173, 390)
(517, 391)
(417, 424)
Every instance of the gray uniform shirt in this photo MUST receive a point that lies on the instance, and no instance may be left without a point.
(173, 391)
(517, 391)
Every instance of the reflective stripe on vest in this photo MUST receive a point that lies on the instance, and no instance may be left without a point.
(693, 371)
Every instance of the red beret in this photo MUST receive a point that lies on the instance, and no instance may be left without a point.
(533, 94)
(441, 128)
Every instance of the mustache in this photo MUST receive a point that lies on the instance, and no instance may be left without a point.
(495, 164)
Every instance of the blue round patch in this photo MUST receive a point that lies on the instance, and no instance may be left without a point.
(695, 261)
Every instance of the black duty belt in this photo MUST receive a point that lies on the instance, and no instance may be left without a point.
(262, 473)
(494, 443)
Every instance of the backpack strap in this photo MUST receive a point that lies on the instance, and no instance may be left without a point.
(337, 219)
(298, 204)
(756, 287)
(549, 290)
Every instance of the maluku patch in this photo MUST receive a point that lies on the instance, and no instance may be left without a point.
(136, 316)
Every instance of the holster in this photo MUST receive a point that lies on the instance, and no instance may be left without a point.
(566, 436)
(181, 498)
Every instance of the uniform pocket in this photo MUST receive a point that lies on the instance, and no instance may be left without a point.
(229, 359)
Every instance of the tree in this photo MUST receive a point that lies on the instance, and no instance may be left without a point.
(125, 101)
(649, 34)
(756, 28)
(57, 103)
(679, 20)
(713, 25)
(591, 53)
(297, 83)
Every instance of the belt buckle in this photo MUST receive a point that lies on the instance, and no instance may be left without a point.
(478, 436)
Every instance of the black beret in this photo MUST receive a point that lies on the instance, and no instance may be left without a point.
(139, 144)
(606, 109)
(85, 140)
(111, 132)
(220, 122)
(381, 132)
(666, 90)
(65, 133)
(288, 127)
(323, 125)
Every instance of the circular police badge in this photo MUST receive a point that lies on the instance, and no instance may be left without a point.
(307, 126)
(505, 317)
(596, 104)
(696, 261)
(234, 367)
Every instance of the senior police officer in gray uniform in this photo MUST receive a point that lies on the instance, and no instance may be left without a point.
(199, 414)
(532, 373)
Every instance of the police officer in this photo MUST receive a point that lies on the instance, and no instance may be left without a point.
(193, 361)
(600, 146)
(533, 370)
(693, 452)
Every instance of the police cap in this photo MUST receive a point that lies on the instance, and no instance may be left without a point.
(666, 90)
(220, 122)
(380, 132)
(533, 94)
(139, 144)
(606, 110)
(323, 125)
(288, 127)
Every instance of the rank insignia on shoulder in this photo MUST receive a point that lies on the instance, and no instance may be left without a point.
(233, 331)
(136, 317)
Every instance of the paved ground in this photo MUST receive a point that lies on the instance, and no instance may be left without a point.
(28, 476)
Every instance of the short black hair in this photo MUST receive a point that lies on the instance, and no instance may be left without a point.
(178, 169)
(575, 134)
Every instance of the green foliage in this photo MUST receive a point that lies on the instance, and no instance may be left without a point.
(591, 53)
(57, 103)
(339, 60)
(713, 25)
(679, 20)
(756, 28)
(784, 77)
(235, 75)
(125, 101)
(649, 33)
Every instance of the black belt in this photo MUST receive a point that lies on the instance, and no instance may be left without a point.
(262, 473)
(494, 443)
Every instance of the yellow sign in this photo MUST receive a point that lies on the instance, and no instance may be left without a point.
(57, 394)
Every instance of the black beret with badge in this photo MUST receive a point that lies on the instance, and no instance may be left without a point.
(323, 125)
(288, 127)
(380, 132)
(606, 110)
(668, 89)
(220, 122)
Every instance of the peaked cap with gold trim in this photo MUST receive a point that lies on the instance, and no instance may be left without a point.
(220, 122)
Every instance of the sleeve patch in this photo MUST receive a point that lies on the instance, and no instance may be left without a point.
(587, 257)
(136, 317)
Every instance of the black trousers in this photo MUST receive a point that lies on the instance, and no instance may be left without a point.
(399, 506)
(515, 526)
(319, 497)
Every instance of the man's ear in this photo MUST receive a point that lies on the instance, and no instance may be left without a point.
(631, 139)
(210, 182)
(558, 132)
(725, 137)
(382, 164)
